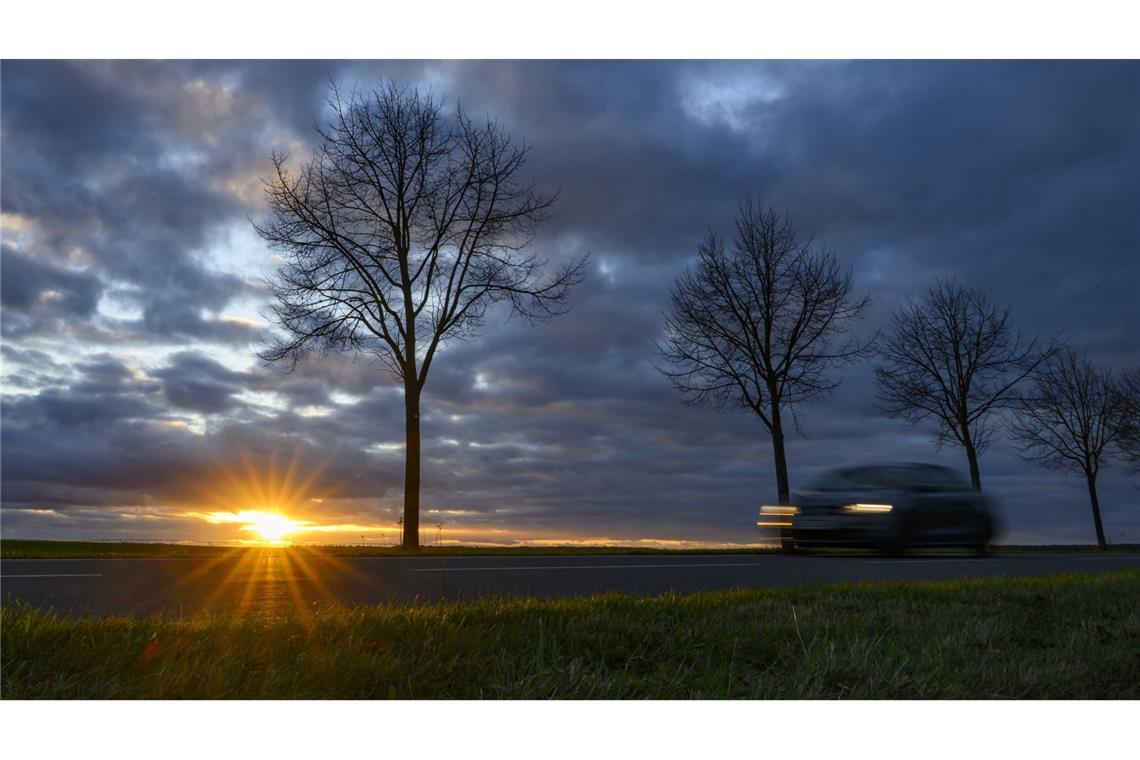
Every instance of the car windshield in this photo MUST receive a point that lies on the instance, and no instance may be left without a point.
(941, 478)
(892, 477)
(852, 478)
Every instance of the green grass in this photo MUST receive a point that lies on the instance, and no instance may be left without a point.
(1069, 636)
(22, 549)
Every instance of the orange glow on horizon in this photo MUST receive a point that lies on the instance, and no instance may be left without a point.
(275, 499)
(270, 527)
(269, 498)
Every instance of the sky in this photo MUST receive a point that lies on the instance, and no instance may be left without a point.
(134, 297)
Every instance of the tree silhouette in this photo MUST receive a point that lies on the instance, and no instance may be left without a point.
(406, 224)
(1128, 434)
(756, 324)
(1069, 421)
(954, 358)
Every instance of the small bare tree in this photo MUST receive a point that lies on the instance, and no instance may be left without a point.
(757, 325)
(1128, 421)
(397, 235)
(1069, 421)
(954, 358)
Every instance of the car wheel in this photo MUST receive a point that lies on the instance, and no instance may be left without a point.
(984, 533)
(787, 542)
(900, 543)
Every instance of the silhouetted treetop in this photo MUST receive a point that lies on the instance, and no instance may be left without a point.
(954, 358)
(759, 322)
(400, 231)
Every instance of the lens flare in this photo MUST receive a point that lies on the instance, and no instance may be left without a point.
(270, 525)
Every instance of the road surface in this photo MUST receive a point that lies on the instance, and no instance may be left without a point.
(276, 582)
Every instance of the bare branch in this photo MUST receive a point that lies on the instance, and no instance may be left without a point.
(954, 359)
(400, 232)
(1127, 422)
(1068, 420)
(758, 325)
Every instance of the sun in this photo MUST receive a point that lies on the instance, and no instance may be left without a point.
(270, 526)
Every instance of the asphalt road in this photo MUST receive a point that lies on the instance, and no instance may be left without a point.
(275, 582)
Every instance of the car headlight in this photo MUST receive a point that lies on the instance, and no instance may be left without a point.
(777, 516)
(868, 508)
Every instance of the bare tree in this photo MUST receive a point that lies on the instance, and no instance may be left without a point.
(406, 224)
(1128, 421)
(757, 325)
(1069, 421)
(954, 358)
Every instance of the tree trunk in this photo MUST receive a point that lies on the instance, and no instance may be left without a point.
(972, 458)
(411, 467)
(1091, 480)
(778, 454)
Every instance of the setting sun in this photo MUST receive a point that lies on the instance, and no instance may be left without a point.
(270, 526)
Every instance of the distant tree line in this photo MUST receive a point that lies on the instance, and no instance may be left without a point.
(759, 323)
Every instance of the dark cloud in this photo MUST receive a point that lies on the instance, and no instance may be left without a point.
(127, 173)
(32, 287)
(198, 383)
(131, 284)
(113, 440)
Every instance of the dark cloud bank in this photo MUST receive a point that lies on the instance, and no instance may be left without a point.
(131, 286)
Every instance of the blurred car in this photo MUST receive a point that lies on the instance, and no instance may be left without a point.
(892, 508)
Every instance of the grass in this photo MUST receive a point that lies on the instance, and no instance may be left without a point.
(1067, 636)
(23, 549)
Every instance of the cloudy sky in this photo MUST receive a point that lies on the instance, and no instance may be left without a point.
(133, 290)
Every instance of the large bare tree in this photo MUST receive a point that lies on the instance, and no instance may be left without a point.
(400, 231)
(1069, 421)
(954, 358)
(758, 323)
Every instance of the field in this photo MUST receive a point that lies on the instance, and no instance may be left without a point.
(21, 549)
(1068, 636)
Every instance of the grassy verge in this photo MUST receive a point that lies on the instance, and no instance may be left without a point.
(22, 549)
(1070, 636)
